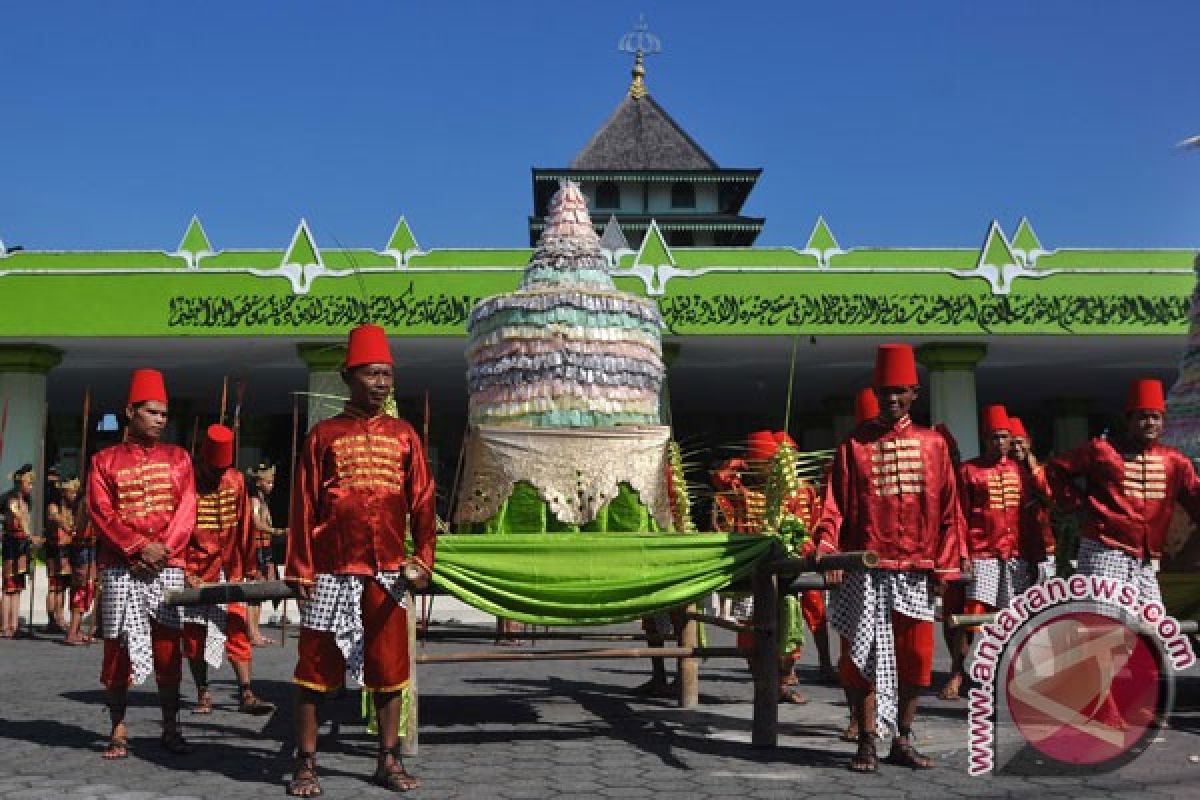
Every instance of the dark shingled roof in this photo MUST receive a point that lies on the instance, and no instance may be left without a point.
(641, 136)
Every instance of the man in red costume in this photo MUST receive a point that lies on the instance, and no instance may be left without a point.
(221, 549)
(18, 547)
(891, 490)
(361, 482)
(990, 492)
(1036, 544)
(142, 504)
(1131, 484)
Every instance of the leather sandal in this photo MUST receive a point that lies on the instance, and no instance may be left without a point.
(251, 704)
(304, 781)
(204, 701)
(866, 759)
(391, 774)
(118, 748)
(904, 754)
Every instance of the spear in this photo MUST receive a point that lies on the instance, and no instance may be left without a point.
(291, 499)
(224, 398)
(195, 434)
(239, 393)
(426, 611)
(83, 436)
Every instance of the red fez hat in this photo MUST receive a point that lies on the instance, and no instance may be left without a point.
(368, 345)
(1145, 394)
(1017, 428)
(866, 405)
(762, 445)
(218, 447)
(147, 385)
(995, 418)
(895, 365)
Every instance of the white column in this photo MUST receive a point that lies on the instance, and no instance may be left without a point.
(23, 370)
(951, 389)
(326, 391)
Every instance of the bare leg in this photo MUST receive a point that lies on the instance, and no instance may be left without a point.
(118, 738)
(958, 657)
(200, 675)
(389, 770)
(248, 701)
(904, 752)
(304, 780)
(862, 707)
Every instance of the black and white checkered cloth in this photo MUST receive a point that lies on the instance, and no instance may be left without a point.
(336, 607)
(215, 619)
(1096, 559)
(996, 581)
(861, 610)
(128, 604)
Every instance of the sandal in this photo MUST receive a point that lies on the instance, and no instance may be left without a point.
(304, 781)
(951, 690)
(204, 701)
(118, 747)
(251, 704)
(392, 775)
(790, 694)
(850, 734)
(904, 754)
(866, 759)
(173, 742)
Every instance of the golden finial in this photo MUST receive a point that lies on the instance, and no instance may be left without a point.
(637, 88)
(641, 42)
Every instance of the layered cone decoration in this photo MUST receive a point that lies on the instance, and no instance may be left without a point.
(567, 349)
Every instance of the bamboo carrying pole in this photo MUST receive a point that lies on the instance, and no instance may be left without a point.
(689, 666)
(283, 612)
(211, 593)
(765, 659)
(720, 622)
(858, 559)
(411, 743)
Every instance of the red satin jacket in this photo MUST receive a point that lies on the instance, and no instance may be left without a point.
(361, 481)
(1035, 540)
(1129, 496)
(892, 489)
(223, 539)
(138, 494)
(990, 492)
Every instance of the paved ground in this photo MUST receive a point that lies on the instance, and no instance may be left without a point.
(534, 730)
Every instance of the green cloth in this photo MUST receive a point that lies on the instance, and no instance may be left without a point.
(590, 579)
(526, 512)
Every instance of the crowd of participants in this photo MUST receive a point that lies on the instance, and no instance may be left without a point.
(150, 519)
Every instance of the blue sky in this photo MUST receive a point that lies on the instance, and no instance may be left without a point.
(904, 123)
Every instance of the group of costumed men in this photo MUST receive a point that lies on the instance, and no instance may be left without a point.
(69, 550)
(362, 485)
(976, 533)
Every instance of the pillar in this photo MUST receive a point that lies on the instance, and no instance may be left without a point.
(326, 392)
(670, 354)
(951, 389)
(23, 371)
(1070, 422)
(841, 413)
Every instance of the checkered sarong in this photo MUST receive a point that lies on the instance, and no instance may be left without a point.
(861, 610)
(128, 604)
(1096, 559)
(215, 619)
(336, 607)
(996, 581)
